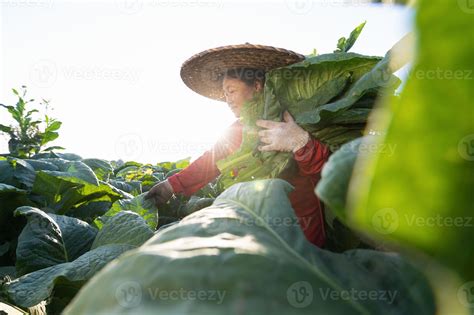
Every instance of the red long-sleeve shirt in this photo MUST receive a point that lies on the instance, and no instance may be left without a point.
(310, 160)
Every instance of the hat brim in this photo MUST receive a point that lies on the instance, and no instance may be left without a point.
(203, 72)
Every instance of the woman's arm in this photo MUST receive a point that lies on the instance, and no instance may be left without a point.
(287, 136)
(203, 170)
(311, 157)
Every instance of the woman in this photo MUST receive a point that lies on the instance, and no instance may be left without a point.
(235, 74)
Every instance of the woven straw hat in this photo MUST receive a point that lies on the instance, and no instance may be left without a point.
(203, 72)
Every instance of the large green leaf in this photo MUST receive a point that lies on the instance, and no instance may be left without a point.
(122, 193)
(121, 170)
(246, 254)
(6, 189)
(335, 177)
(378, 77)
(49, 239)
(422, 195)
(42, 165)
(10, 227)
(123, 232)
(10, 198)
(145, 208)
(37, 286)
(101, 168)
(316, 80)
(75, 184)
(17, 172)
(332, 189)
(131, 187)
(194, 204)
(72, 169)
(89, 211)
(65, 156)
(125, 227)
(169, 166)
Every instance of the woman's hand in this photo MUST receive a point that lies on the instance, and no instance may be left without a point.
(282, 136)
(160, 193)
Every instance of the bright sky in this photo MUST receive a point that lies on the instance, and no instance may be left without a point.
(111, 68)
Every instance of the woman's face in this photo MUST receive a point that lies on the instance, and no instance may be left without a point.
(238, 92)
